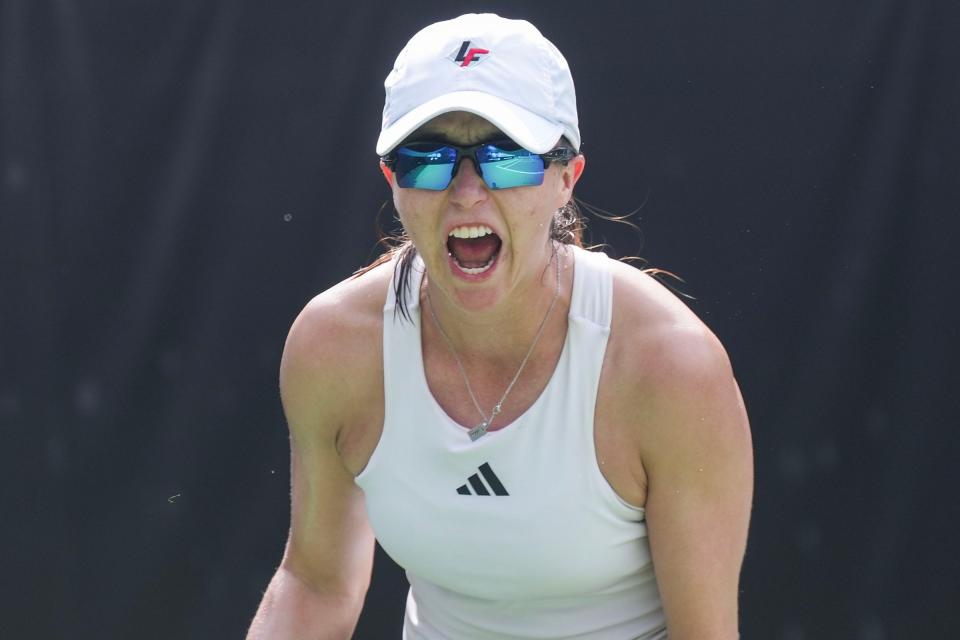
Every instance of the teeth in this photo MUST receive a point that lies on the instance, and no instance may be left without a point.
(471, 232)
(474, 272)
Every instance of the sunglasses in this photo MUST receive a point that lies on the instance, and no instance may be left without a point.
(503, 164)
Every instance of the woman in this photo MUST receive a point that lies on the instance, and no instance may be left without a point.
(548, 441)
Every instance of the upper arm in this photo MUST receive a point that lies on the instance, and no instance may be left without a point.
(697, 458)
(330, 545)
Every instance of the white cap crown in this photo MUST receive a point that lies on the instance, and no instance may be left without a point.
(503, 70)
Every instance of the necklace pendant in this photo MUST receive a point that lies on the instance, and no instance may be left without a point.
(478, 431)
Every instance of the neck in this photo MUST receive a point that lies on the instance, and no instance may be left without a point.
(502, 334)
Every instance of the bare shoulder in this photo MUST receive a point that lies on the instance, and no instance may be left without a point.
(332, 360)
(667, 366)
(657, 335)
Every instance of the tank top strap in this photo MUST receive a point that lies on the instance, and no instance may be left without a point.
(592, 296)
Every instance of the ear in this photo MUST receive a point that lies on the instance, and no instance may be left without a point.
(571, 174)
(580, 162)
(387, 173)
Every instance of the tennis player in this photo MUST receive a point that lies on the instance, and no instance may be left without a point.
(547, 440)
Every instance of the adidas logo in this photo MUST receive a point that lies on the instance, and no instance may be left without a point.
(481, 489)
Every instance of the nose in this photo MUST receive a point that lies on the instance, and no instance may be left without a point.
(467, 187)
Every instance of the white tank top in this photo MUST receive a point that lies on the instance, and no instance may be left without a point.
(517, 535)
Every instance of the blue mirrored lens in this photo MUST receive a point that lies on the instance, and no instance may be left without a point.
(504, 169)
(432, 165)
(425, 167)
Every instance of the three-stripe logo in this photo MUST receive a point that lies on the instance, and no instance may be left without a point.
(479, 487)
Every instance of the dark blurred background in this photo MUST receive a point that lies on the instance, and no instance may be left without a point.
(178, 177)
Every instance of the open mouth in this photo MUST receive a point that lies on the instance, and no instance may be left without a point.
(474, 249)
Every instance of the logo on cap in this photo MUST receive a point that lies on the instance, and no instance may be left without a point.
(468, 55)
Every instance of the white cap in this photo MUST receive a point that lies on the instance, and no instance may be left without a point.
(504, 71)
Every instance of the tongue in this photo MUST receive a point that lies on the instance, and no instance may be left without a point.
(473, 253)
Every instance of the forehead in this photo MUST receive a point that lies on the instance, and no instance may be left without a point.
(458, 127)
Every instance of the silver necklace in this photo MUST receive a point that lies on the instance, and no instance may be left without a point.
(478, 431)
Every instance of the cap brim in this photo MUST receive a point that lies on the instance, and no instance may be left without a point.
(524, 127)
